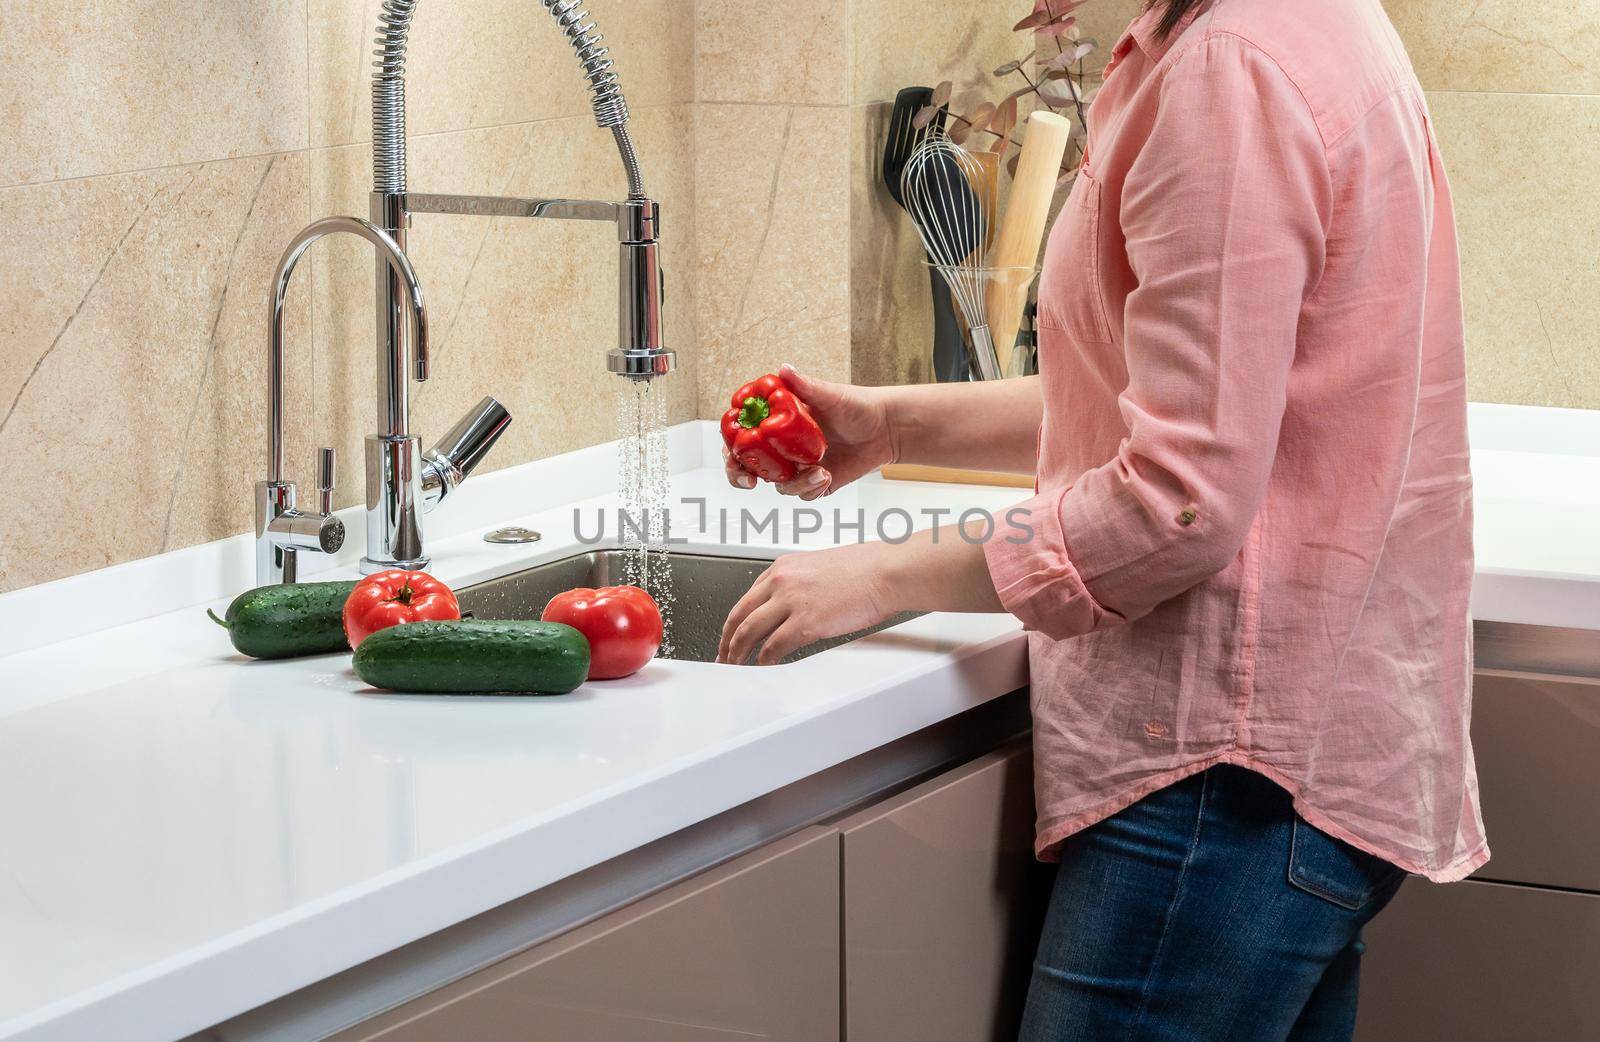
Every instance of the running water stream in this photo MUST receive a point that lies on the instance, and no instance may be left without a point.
(643, 485)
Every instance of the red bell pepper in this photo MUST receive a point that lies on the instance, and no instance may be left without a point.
(621, 623)
(770, 431)
(390, 598)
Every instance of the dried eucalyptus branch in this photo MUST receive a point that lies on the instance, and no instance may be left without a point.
(1059, 82)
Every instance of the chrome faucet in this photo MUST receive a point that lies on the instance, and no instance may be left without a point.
(403, 481)
(282, 530)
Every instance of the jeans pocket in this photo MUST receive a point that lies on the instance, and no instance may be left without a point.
(1334, 870)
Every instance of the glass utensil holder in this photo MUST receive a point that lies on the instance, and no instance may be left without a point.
(975, 290)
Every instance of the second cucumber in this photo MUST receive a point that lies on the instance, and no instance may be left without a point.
(475, 656)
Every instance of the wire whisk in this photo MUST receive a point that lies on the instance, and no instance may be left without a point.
(944, 190)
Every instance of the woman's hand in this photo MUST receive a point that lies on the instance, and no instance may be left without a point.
(811, 596)
(855, 421)
(806, 597)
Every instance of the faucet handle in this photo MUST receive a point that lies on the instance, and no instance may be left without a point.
(448, 462)
(285, 531)
(325, 480)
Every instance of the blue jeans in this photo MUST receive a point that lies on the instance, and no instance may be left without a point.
(1206, 911)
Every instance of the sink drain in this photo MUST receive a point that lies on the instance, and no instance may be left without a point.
(512, 534)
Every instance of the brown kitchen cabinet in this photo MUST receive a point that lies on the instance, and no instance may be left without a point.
(943, 901)
(1515, 952)
(1537, 743)
(746, 950)
(915, 918)
(1482, 962)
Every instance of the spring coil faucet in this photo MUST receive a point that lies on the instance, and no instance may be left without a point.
(403, 481)
(389, 96)
(389, 89)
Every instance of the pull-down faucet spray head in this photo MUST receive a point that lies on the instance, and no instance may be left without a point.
(638, 354)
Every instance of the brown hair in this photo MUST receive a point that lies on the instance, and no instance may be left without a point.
(1172, 13)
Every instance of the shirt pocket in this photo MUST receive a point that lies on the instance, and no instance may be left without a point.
(1071, 298)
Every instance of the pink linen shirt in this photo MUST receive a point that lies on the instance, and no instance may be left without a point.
(1251, 542)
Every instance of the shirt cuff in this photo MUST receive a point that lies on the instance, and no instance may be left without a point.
(1035, 578)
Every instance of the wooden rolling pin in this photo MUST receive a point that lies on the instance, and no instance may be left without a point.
(1044, 142)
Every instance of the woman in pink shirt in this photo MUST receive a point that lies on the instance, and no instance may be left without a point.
(1245, 571)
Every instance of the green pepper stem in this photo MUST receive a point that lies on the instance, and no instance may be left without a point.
(753, 411)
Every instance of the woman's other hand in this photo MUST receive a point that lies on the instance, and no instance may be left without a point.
(811, 596)
(806, 597)
(855, 421)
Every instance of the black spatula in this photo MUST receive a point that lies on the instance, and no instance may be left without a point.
(949, 349)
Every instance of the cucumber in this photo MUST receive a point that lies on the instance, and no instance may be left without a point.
(288, 619)
(475, 656)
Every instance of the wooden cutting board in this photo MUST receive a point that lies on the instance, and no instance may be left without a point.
(956, 475)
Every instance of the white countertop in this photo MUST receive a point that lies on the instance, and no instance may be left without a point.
(185, 835)
(1536, 476)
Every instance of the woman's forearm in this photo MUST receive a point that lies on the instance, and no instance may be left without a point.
(992, 425)
(941, 569)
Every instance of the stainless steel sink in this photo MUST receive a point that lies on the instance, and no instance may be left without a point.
(705, 589)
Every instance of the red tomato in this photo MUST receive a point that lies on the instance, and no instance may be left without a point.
(390, 598)
(622, 624)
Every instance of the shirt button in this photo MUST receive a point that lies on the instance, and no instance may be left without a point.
(1188, 516)
(1156, 729)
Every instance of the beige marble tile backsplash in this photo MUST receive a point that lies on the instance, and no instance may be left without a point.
(772, 224)
(159, 154)
(772, 52)
(90, 87)
(133, 322)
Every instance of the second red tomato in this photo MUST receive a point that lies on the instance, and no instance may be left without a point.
(621, 623)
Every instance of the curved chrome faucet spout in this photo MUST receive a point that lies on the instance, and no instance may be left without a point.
(410, 288)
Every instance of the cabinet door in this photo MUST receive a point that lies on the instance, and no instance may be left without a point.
(942, 906)
(747, 950)
(1481, 962)
(1537, 742)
